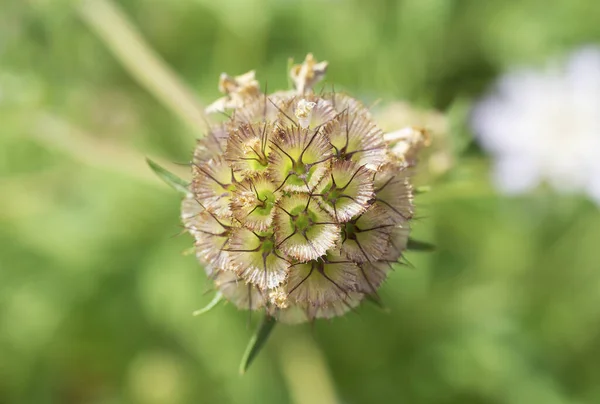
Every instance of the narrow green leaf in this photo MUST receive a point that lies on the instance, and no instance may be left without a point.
(422, 246)
(257, 341)
(171, 179)
(376, 300)
(211, 305)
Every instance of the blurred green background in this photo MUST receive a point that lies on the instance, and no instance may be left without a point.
(96, 296)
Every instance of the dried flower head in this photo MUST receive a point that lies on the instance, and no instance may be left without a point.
(298, 205)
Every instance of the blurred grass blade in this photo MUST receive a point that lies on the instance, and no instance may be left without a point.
(174, 181)
(257, 341)
(124, 40)
(416, 245)
(211, 305)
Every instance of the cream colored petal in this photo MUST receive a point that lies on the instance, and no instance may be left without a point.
(213, 144)
(366, 238)
(210, 233)
(294, 314)
(344, 103)
(304, 231)
(253, 203)
(260, 109)
(355, 137)
(299, 158)
(256, 259)
(338, 308)
(324, 288)
(238, 91)
(248, 147)
(213, 183)
(307, 74)
(293, 112)
(407, 142)
(346, 190)
(393, 191)
(234, 289)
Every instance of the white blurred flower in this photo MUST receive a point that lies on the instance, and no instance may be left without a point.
(544, 126)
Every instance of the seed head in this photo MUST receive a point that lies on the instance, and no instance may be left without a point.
(298, 205)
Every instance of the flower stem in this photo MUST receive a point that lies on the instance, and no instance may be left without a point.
(113, 28)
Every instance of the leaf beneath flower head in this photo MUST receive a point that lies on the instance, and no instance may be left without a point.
(171, 179)
(211, 305)
(422, 246)
(257, 341)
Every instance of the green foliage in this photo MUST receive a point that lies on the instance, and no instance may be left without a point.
(257, 342)
(171, 179)
(95, 297)
(416, 245)
(218, 298)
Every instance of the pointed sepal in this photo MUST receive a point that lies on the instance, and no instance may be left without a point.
(376, 300)
(422, 189)
(211, 305)
(257, 341)
(171, 179)
(420, 246)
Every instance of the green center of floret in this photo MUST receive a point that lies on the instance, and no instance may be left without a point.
(332, 193)
(350, 230)
(300, 173)
(266, 202)
(267, 242)
(302, 219)
(302, 222)
(299, 168)
(267, 245)
(257, 165)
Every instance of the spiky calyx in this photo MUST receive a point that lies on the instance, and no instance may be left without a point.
(297, 204)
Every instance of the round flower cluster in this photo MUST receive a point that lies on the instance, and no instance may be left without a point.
(297, 204)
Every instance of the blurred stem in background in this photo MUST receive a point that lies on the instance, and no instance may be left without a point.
(56, 133)
(305, 371)
(125, 42)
